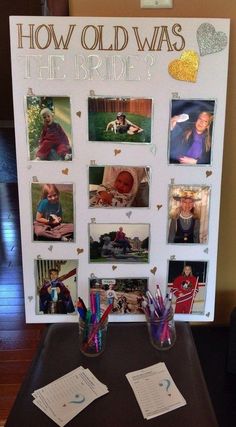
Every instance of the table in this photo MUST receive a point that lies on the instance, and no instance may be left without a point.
(127, 349)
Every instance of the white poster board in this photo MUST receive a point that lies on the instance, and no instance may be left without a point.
(85, 71)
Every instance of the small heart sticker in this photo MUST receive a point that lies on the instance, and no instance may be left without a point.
(159, 207)
(29, 167)
(65, 171)
(128, 214)
(80, 251)
(116, 151)
(208, 314)
(78, 113)
(153, 270)
(206, 251)
(50, 248)
(114, 267)
(172, 257)
(30, 92)
(30, 298)
(35, 179)
(208, 173)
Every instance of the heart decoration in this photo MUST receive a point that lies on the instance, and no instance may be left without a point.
(208, 314)
(29, 167)
(78, 113)
(153, 270)
(50, 248)
(208, 173)
(153, 149)
(80, 251)
(209, 40)
(93, 220)
(30, 298)
(114, 267)
(159, 207)
(38, 256)
(30, 92)
(172, 257)
(92, 92)
(206, 251)
(117, 151)
(65, 171)
(35, 179)
(185, 68)
(129, 214)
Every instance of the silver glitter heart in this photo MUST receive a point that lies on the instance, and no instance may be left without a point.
(209, 40)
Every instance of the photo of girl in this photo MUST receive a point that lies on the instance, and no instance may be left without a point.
(52, 207)
(56, 286)
(49, 128)
(119, 119)
(118, 186)
(187, 282)
(188, 214)
(191, 126)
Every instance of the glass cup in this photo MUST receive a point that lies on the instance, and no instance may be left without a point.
(162, 331)
(92, 337)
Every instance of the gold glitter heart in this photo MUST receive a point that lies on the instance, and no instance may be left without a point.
(159, 207)
(114, 267)
(78, 113)
(208, 173)
(186, 67)
(80, 251)
(117, 151)
(65, 171)
(210, 41)
(153, 270)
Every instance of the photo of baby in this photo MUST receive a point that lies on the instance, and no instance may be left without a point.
(118, 186)
(49, 128)
(119, 119)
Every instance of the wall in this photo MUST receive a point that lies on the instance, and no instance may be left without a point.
(225, 291)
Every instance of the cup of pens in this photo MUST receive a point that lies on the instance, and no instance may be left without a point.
(160, 320)
(92, 328)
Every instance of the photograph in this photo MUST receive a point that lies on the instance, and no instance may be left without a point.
(187, 280)
(118, 186)
(49, 128)
(188, 214)
(56, 286)
(190, 134)
(119, 119)
(123, 243)
(53, 212)
(125, 294)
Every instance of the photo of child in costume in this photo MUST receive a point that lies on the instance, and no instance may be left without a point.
(121, 186)
(56, 284)
(187, 282)
(191, 126)
(49, 222)
(49, 128)
(189, 214)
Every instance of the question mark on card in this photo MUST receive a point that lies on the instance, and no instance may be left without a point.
(149, 59)
(166, 384)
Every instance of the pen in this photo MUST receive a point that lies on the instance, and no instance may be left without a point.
(99, 324)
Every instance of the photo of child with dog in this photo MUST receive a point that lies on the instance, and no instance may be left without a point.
(120, 119)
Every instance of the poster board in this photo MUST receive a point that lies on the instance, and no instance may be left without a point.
(158, 73)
